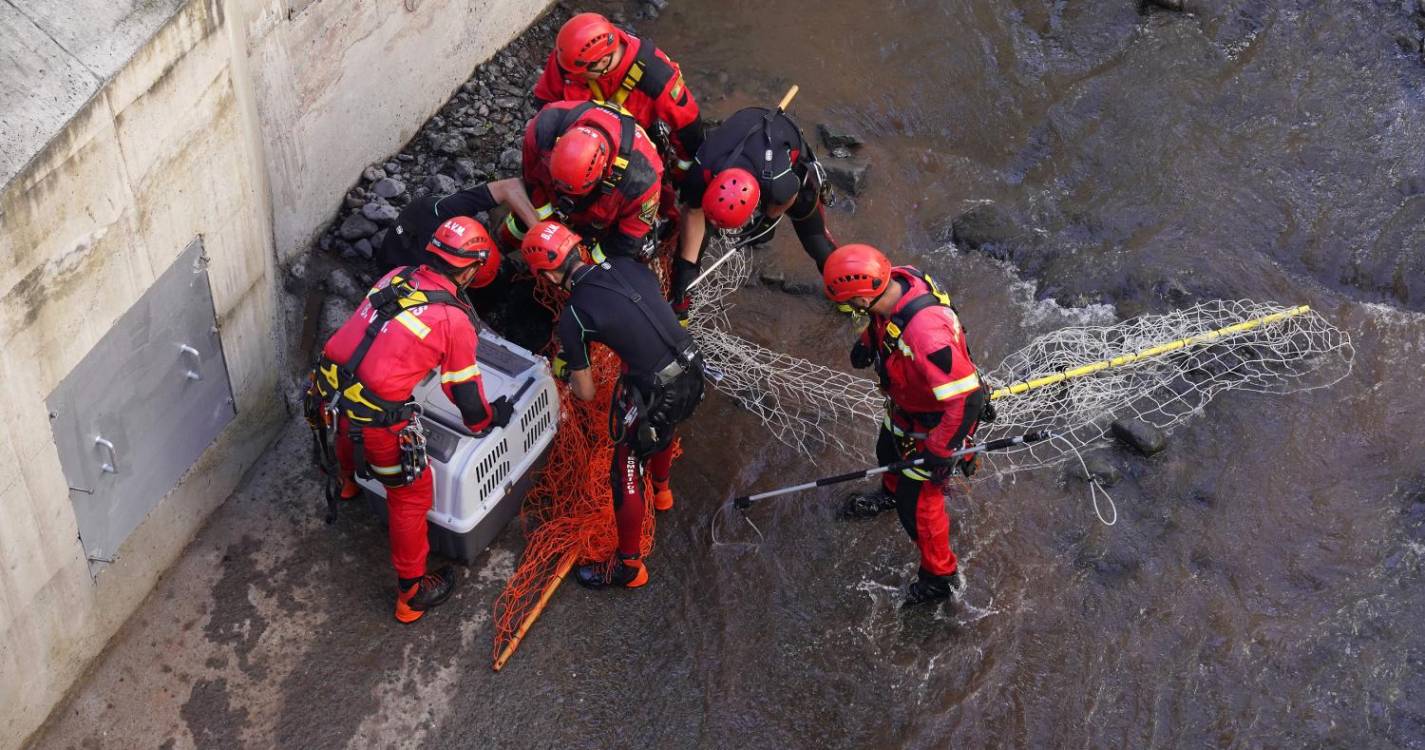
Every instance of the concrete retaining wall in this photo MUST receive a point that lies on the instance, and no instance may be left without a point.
(240, 121)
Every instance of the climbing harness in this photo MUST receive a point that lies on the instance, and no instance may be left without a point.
(335, 392)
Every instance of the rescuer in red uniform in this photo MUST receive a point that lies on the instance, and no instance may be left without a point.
(416, 319)
(918, 348)
(594, 60)
(593, 169)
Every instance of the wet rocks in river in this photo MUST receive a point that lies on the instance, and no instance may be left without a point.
(833, 137)
(1098, 467)
(1177, 6)
(373, 173)
(771, 277)
(848, 175)
(357, 227)
(1139, 435)
(799, 288)
(985, 227)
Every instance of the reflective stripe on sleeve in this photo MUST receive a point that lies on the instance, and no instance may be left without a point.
(460, 376)
(386, 471)
(957, 387)
(413, 324)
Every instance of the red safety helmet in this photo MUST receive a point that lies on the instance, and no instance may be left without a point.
(547, 246)
(855, 271)
(584, 40)
(731, 198)
(463, 242)
(578, 160)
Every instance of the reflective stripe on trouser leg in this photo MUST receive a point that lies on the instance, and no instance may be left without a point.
(406, 506)
(626, 478)
(921, 508)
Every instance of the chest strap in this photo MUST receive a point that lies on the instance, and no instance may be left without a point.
(337, 382)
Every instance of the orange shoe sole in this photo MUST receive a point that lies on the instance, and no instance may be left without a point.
(662, 499)
(639, 579)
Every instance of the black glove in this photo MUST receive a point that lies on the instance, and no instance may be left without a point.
(988, 413)
(862, 355)
(938, 467)
(501, 409)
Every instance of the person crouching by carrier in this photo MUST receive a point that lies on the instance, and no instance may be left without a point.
(751, 171)
(593, 168)
(405, 243)
(416, 319)
(618, 303)
(935, 401)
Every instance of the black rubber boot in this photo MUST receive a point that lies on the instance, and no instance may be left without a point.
(927, 588)
(867, 504)
(619, 570)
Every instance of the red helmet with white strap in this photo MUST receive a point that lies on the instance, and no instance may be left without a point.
(855, 271)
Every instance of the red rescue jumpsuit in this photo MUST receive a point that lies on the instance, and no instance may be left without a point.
(618, 219)
(936, 399)
(653, 92)
(412, 344)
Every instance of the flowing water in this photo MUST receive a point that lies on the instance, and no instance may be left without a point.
(1263, 585)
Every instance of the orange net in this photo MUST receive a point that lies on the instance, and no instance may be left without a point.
(567, 517)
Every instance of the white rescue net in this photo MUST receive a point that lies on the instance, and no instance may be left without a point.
(1075, 381)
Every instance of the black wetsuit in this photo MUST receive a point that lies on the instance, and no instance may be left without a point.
(405, 243)
(600, 309)
(746, 140)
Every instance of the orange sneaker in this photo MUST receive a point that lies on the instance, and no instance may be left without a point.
(427, 593)
(662, 496)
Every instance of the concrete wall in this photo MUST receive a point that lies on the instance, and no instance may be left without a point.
(240, 121)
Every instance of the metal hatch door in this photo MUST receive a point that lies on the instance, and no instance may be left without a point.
(142, 406)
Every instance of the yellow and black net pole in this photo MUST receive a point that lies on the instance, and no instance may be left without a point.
(1025, 386)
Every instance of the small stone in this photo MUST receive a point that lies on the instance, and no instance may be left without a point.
(297, 274)
(799, 288)
(379, 239)
(388, 188)
(353, 201)
(1141, 436)
(440, 184)
(1098, 468)
(364, 249)
(392, 167)
(405, 157)
(508, 102)
(356, 227)
(380, 212)
(848, 175)
(1173, 5)
(464, 170)
(511, 159)
(834, 137)
(484, 110)
(772, 278)
(451, 145)
(373, 173)
(841, 152)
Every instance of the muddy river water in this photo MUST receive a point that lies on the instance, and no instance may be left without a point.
(1262, 588)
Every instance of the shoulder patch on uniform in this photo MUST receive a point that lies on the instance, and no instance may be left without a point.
(942, 358)
(648, 211)
(677, 89)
